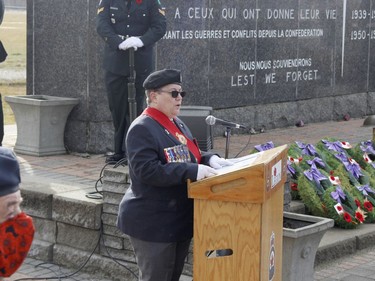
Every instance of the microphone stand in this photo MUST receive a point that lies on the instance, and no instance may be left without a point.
(227, 132)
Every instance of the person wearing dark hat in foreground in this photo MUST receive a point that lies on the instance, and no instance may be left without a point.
(155, 211)
(16, 228)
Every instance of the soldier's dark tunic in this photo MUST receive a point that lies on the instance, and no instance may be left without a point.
(116, 21)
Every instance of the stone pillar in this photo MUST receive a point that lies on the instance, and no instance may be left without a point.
(63, 59)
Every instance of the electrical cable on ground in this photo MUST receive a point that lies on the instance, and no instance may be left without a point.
(98, 194)
(247, 144)
(69, 275)
(101, 238)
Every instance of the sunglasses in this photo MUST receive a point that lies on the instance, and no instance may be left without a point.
(174, 94)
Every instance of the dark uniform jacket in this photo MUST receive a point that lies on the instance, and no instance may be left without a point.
(115, 22)
(156, 206)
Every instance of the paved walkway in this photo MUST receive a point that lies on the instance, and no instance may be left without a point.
(86, 169)
(357, 267)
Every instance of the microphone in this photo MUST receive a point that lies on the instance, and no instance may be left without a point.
(211, 120)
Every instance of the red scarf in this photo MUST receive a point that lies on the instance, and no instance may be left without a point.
(16, 236)
(171, 127)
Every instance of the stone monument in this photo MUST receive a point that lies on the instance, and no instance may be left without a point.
(257, 63)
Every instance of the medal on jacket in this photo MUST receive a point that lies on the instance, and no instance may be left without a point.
(181, 138)
(175, 131)
(177, 154)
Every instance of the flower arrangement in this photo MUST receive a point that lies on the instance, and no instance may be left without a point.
(333, 179)
(364, 154)
(342, 208)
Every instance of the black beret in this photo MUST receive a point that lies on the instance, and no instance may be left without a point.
(161, 78)
(9, 172)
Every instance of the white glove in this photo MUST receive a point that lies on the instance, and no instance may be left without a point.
(216, 162)
(131, 42)
(205, 172)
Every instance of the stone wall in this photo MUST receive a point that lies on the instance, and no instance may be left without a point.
(69, 229)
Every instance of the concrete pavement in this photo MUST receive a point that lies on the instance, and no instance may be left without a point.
(342, 255)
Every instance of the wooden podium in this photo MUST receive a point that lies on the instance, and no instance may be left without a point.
(238, 220)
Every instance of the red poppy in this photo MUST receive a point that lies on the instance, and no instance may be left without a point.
(293, 186)
(339, 208)
(346, 144)
(359, 216)
(139, 2)
(368, 206)
(347, 217)
(357, 203)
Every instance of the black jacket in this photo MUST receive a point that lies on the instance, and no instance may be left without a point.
(156, 206)
(115, 22)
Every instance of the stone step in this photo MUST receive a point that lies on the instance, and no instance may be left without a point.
(62, 215)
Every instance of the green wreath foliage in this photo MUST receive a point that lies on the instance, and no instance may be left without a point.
(317, 197)
(328, 156)
(357, 154)
(309, 196)
(339, 220)
(294, 151)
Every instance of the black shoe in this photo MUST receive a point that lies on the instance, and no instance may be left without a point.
(114, 158)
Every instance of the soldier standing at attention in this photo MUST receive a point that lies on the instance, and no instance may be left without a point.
(125, 24)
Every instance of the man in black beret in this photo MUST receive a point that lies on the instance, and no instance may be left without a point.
(16, 228)
(156, 212)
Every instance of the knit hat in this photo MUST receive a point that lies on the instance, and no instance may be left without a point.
(9, 172)
(161, 78)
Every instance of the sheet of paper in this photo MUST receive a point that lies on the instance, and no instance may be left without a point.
(239, 162)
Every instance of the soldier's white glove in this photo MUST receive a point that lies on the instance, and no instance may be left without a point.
(216, 162)
(131, 42)
(205, 172)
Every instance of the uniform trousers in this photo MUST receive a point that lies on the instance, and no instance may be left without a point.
(117, 92)
(160, 261)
